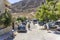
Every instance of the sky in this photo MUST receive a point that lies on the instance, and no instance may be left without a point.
(13, 1)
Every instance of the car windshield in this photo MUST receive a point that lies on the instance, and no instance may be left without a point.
(21, 27)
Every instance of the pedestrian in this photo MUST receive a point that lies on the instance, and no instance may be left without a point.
(13, 25)
(48, 29)
(29, 26)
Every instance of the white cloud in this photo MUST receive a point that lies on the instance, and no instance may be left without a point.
(13, 1)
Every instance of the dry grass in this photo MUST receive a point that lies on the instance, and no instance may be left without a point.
(28, 15)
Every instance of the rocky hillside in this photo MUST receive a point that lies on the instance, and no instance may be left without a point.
(26, 5)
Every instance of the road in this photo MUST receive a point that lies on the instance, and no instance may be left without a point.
(36, 34)
(30, 35)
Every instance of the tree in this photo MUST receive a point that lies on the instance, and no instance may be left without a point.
(58, 7)
(21, 19)
(47, 12)
(6, 19)
(42, 13)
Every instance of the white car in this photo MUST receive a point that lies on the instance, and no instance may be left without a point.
(57, 30)
(50, 25)
(58, 27)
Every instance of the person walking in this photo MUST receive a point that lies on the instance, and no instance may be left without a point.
(29, 26)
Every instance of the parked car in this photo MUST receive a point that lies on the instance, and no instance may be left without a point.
(34, 21)
(24, 23)
(41, 23)
(57, 30)
(27, 20)
(57, 23)
(50, 25)
(58, 27)
(22, 28)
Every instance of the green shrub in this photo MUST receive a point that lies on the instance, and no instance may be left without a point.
(21, 19)
(6, 19)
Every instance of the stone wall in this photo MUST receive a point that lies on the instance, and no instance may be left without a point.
(5, 30)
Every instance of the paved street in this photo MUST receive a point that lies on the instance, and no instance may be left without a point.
(36, 34)
(31, 35)
(32, 26)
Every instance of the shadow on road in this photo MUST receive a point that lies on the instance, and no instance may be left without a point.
(56, 33)
(22, 32)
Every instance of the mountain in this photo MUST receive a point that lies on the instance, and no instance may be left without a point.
(26, 5)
